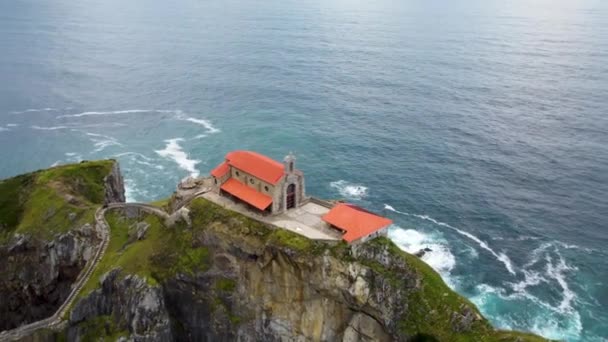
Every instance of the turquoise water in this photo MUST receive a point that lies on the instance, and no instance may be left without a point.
(479, 127)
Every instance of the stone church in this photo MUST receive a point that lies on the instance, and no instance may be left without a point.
(263, 184)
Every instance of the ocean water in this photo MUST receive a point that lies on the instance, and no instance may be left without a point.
(479, 127)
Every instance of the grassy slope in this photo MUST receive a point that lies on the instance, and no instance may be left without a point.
(39, 203)
(162, 253)
(165, 252)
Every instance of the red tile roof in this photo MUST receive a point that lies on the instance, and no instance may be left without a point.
(257, 165)
(355, 221)
(247, 194)
(220, 170)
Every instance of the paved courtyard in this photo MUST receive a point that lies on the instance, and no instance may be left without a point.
(305, 220)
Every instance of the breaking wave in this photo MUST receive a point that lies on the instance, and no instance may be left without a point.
(51, 128)
(176, 113)
(174, 151)
(554, 316)
(133, 193)
(115, 112)
(101, 141)
(500, 256)
(140, 159)
(439, 257)
(206, 124)
(349, 190)
(33, 110)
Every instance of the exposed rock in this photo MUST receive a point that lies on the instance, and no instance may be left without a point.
(277, 296)
(37, 275)
(462, 321)
(422, 252)
(141, 230)
(138, 307)
(114, 185)
(72, 216)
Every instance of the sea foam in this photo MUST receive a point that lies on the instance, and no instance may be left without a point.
(500, 256)
(34, 110)
(51, 128)
(206, 124)
(439, 258)
(115, 112)
(102, 141)
(175, 152)
(349, 190)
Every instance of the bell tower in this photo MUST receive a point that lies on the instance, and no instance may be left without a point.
(289, 163)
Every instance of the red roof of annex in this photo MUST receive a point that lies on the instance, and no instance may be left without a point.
(247, 194)
(253, 163)
(355, 221)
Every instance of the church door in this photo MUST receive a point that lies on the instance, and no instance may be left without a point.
(291, 196)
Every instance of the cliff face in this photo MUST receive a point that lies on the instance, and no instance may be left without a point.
(49, 235)
(229, 278)
(114, 186)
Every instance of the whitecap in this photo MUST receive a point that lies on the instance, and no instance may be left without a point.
(349, 190)
(33, 110)
(531, 278)
(500, 256)
(208, 126)
(137, 154)
(175, 152)
(12, 125)
(439, 258)
(116, 112)
(52, 128)
(4, 129)
(134, 193)
(102, 141)
(558, 272)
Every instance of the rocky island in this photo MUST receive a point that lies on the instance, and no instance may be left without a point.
(90, 267)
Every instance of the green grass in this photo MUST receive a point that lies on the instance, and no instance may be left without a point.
(101, 328)
(430, 308)
(39, 203)
(163, 252)
(162, 203)
(169, 251)
(225, 285)
(133, 258)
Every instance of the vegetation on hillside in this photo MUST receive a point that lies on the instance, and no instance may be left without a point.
(166, 252)
(47, 202)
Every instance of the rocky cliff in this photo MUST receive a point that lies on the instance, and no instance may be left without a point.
(214, 276)
(228, 278)
(47, 235)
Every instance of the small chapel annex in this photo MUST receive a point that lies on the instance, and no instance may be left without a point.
(270, 188)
